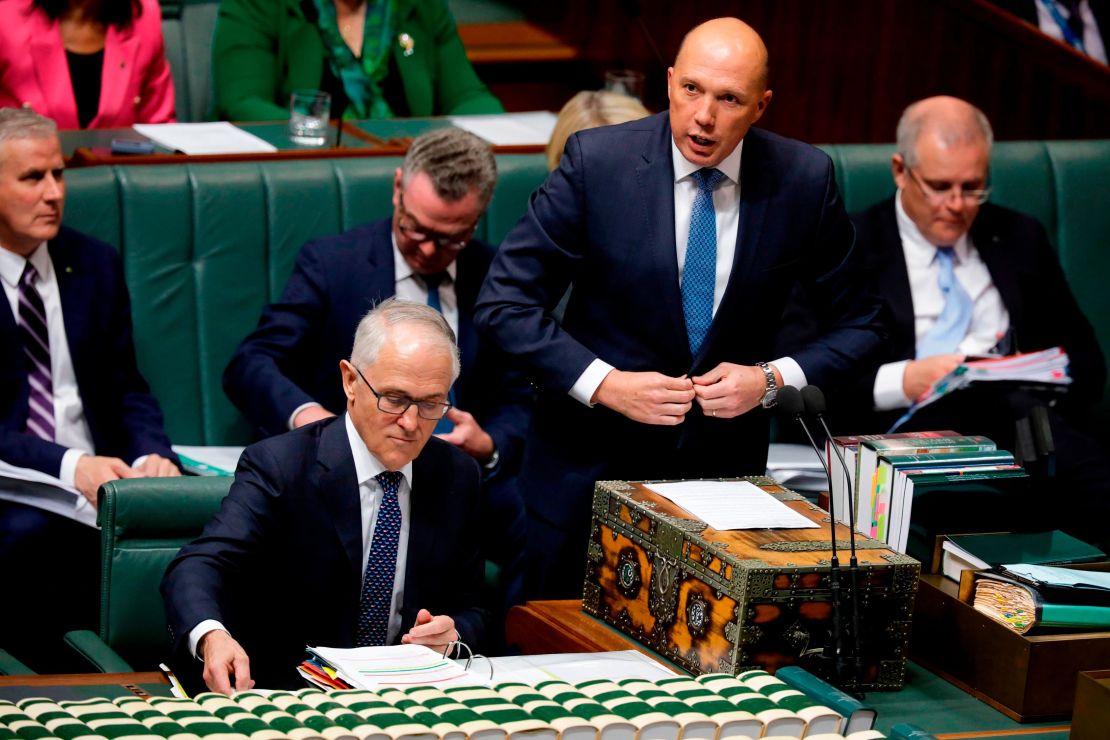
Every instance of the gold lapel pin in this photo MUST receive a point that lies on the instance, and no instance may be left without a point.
(407, 43)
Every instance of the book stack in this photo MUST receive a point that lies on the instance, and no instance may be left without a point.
(908, 487)
(983, 551)
(710, 707)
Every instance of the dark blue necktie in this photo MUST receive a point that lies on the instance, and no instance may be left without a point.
(699, 272)
(433, 281)
(381, 565)
(955, 317)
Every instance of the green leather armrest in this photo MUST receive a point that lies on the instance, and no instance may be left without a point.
(103, 658)
(11, 665)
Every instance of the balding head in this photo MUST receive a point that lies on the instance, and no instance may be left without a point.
(732, 37)
(717, 89)
(941, 166)
(953, 122)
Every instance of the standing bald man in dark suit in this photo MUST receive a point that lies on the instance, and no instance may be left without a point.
(681, 235)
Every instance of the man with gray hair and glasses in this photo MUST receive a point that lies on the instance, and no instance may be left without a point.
(282, 375)
(965, 277)
(358, 530)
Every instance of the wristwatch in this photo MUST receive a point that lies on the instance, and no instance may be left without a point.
(771, 394)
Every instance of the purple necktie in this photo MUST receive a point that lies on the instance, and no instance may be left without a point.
(36, 345)
(381, 565)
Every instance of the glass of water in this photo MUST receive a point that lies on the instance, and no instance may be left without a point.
(308, 117)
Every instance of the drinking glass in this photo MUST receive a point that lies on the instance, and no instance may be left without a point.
(308, 117)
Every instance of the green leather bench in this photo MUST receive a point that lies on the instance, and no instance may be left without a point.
(206, 246)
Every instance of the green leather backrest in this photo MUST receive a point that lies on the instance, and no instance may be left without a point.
(187, 27)
(144, 522)
(206, 246)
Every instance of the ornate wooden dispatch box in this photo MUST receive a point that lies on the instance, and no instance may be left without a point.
(726, 601)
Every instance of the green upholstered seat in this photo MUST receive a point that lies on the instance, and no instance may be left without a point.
(144, 522)
(206, 246)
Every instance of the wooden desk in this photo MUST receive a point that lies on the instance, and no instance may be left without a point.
(84, 685)
(927, 700)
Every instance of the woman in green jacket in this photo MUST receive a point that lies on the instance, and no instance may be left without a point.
(409, 59)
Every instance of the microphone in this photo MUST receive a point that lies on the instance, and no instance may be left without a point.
(814, 401)
(790, 402)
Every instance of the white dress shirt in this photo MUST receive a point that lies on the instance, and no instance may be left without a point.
(989, 319)
(70, 428)
(370, 498)
(1092, 36)
(726, 204)
(411, 287)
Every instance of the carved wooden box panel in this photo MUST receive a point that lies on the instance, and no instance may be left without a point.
(713, 600)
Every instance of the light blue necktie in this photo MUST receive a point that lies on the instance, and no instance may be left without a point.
(433, 281)
(699, 273)
(381, 565)
(955, 318)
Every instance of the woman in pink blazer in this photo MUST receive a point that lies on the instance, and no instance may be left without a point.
(85, 63)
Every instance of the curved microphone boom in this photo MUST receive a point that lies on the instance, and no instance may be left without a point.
(791, 403)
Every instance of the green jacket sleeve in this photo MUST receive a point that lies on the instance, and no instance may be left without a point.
(457, 87)
(245, 60)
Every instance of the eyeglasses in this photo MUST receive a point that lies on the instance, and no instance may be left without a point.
(938, 195)
(414, 230)
(397, 405)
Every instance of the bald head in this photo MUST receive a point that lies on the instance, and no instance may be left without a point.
(717, 89)
(730, 40)
(951, 122)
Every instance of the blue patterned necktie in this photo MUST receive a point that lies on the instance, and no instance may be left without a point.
(699, 273)
(36, 346)
(433, 281)
(955, 318)
(381, 565)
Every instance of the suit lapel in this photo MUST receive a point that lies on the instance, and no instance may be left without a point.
(338, 489)
(76, 292)
(748, 259)
(888, 262)
(412, 67)
(52, 72)
(655, 186)
(121, 50)
(989, 245)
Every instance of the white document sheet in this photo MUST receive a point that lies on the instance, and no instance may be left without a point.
(509, 129)
(571, 667)
(204, 138)
(209, 460)
(732, 505)
(32, 488)
(395, 665)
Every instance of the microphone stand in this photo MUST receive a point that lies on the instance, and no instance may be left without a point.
(790, 402)
(815, 404)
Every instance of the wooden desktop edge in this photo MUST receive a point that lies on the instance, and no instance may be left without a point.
(83, 679)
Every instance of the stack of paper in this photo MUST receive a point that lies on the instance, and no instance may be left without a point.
(376, 667)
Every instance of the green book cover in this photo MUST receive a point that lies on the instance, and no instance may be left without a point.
(858, 716)
(1023, 608)
(1038, 548)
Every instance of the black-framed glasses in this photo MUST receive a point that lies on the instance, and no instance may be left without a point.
(416, 231)
(938, 195)
(393, 404)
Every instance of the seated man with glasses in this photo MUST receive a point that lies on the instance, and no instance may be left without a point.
(283, 374)
(965, 277)
(356, 531)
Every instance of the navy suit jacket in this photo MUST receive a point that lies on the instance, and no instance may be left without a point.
(124, 418)
(293, 356)
(1024, 268)
(280, 564)
(604, 222)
